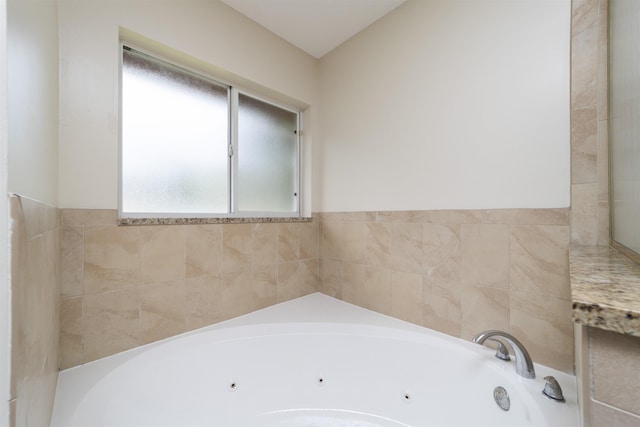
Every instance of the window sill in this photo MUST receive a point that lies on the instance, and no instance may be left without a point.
(195, 221)
(605, 289)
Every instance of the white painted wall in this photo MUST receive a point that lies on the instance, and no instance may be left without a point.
(440, 104)
(32, 58)
(89, 52)
(449, 104)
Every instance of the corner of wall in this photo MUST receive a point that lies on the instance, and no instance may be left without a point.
(35, 306)
(589, 122)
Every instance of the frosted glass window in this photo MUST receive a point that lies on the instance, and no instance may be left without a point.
(194, 147)
(624, 121)
(174, 139)
(267, 153)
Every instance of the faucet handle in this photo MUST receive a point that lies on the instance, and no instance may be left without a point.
(502, 352)
(552, 389)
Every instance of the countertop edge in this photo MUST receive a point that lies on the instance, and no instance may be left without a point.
(605, 289)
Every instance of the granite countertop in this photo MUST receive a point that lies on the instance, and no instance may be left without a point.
(605, 289)
(213, 220)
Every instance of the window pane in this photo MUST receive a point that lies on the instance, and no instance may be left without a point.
(624, 121)
(174, 140)
(267, 150)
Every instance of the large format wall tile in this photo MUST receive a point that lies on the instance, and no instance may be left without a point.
(605, 415)
(377, 289)
(237, 248)
(584, 53)
(354, 242)
(615, 369)
(236, 293)
(288, 242)
(162, 253)
(129, 285)
(331, 278)
(309, 275)
(406, 246)
(584, 145)
(352, 281)
(288, 281)
(585, 215)
(456, 271)
(72, 260)
(162, 311)
(111, 323)
(71, 339)
(264, 285)
(442, 307)
(453, 271)
(485, 255)
(539, 260)
(442, 255)
(34, 230)
(543, 323)
(484, 308)
(203, 295)
(406, 296)
(265, 244)
(332, 239)
(111, 259)
(378, 250)
(309, 240)
(203, 250)
(558, 216)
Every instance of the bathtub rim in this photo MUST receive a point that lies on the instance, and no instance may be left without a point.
(314, 312)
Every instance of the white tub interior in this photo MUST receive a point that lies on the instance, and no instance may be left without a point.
(314, 361)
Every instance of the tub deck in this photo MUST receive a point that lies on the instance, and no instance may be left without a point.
(313, 361)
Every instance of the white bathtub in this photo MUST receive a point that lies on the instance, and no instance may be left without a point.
(314, 361)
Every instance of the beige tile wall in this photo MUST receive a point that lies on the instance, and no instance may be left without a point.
(589, 123)
(615, 375)
(123, 286)
(458, 272)
(35, 302)
(610, 381)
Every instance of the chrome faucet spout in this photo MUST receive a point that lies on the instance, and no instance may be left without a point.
(524, 364)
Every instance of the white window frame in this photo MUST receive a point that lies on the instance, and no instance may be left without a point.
(233, 92)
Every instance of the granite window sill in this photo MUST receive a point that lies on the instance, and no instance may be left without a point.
(192, 221)
(605, 289)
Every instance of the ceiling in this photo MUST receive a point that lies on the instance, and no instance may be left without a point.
(315, 26)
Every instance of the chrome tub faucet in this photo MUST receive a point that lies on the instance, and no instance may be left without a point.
(524, 364)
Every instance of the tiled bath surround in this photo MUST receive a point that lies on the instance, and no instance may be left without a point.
(35, 302)
(458, 272)
(123, 286)
(453, 271)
